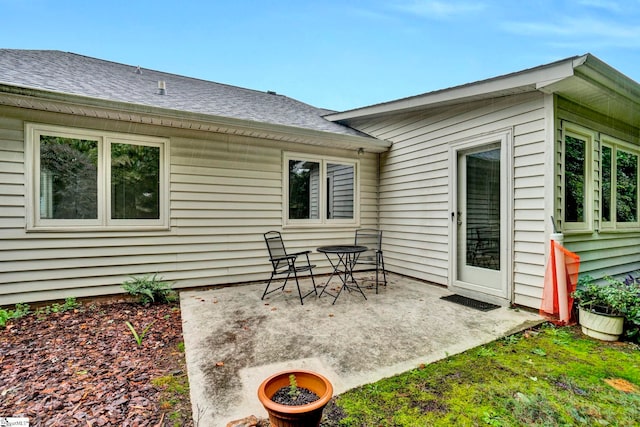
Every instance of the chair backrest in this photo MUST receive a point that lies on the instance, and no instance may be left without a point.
(372, 239)
(276, 248)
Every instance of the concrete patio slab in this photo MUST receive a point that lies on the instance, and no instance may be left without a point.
(234, 340)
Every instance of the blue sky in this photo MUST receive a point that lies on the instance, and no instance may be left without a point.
(336, 54)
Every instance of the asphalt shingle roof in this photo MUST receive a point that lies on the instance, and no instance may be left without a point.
(71, 73)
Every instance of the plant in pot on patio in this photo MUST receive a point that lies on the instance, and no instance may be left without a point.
(602, 308)
(286, 397)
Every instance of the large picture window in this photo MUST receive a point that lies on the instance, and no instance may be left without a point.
(619, 186)
(320, 190)
(83, 179)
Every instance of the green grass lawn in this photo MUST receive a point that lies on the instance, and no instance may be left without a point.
(544, 377)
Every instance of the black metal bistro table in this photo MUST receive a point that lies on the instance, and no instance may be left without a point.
(342, 258)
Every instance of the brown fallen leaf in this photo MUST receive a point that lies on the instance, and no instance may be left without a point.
(622, 385)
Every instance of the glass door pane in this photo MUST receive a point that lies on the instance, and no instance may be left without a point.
(483, 209)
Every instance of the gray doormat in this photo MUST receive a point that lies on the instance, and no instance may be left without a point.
(468, 302)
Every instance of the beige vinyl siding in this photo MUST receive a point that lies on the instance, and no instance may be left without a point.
(12, 200)
(602, 253)
(530, 217)
(415, 193)
(225, 192)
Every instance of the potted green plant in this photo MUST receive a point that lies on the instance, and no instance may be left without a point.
(632, 308)
(602, 308)
(294, 384)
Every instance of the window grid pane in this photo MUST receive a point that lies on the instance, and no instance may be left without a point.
(304, 189)
(626, 187)
(135, 181)
(340, 191)
(606, 184)
(575, 168)
(68, 178)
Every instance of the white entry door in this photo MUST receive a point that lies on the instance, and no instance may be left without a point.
(479, 221)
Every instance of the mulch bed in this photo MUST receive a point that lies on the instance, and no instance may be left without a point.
(84, 368)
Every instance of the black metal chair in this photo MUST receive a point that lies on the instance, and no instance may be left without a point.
(486, 251)
(373, 257)
(284, 263)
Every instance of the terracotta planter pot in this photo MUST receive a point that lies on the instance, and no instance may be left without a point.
(308, 415)
(601, 326)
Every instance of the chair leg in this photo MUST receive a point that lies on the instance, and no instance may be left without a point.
(298, 285)
(313, 282)
(267, 291)
(312, 279)
(267, 288)
(302, 297)
(384, 272)
(377, 270)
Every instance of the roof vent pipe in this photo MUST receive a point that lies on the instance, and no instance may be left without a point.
(162, 87)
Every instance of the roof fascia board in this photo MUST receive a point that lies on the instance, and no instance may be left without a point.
(75, 104)
(532, 78)
(601, 74)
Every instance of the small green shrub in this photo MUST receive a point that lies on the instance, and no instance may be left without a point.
(138, 336)
(492, 419)
(511, 339)
(149, 289)
(5, 316)
(70, 303)
(19, 311)
(486, 352)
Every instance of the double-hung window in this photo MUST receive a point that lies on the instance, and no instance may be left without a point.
(320, 190)
(619, 185)
(89, 180)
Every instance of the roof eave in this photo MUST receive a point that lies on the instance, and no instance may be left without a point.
(38, 99)
(608, 79)
(519, 82)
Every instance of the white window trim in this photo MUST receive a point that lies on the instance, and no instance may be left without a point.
(323, 161)
(569, 129)
(616, 144)
(103, 222)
